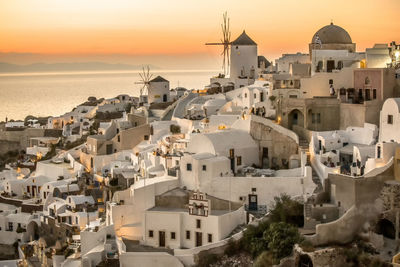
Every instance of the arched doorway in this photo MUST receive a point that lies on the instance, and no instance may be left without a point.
(32, 230)
(304, 261)
(386, 228)
(295, 117)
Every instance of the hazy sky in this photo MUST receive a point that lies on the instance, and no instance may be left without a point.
(160, 31)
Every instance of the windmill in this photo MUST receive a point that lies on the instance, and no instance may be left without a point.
(145, 78)
(226, 42)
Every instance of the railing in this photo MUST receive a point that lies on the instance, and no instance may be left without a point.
(260, 209)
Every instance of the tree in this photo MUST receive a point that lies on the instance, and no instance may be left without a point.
(281, 238)
(175, 129)
(287, 210)
(253, 241)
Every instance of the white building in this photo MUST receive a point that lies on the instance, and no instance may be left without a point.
(243, 64)
(237, 145)
(389, 128)
(175, 224)
(158, 90)
(284, 63)
(243, 58)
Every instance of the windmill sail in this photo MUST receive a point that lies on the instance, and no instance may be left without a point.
(145, 78)
(226, 42)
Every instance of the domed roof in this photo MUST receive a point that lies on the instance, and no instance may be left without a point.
(331, 34)
(243, 39)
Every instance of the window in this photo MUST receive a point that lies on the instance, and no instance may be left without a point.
(209, 238)
(390, 119)
(330, 81)
(76, 220)
(239, 161)
(374, 93)
(198, 223)
(119, 138)
(146, 137)
(231, 153)
(10, 226)
(245, 95)
(255, 95)
(262, 96)
(204, 167)
(187, 234)
(189, 167)
(254, 189)
(367, 94)
(151, 233)
(316, 117)
(173, 236)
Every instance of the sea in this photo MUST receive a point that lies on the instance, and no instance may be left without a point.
(55, 93)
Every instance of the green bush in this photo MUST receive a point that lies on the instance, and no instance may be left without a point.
(232, 248)
(252, 240)
(175, 129)
(206, 259)
(266, 259)
(287, 210)
(281, 238)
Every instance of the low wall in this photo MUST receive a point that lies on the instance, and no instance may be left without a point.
(276, 127)
(28, 208)
(302, 132)
(343, 230)
(231, 188)
(148, 259)
(189, 256)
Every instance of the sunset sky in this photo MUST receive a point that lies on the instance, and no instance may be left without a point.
(157, 31)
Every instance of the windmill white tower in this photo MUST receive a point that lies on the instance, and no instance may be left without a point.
(145, 78)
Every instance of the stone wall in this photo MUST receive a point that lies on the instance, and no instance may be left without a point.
(22, 137)
(356, 115)
(280, 147)
(351, 191)
(6, 146)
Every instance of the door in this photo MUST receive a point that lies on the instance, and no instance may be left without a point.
(33, 190)
(109, 149)
(330, 65)
(265, 159)
(253, 205)
(199, 239)
(165, 98)
(232, 158)
(161, 238)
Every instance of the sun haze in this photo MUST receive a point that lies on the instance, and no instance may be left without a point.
(114, 30)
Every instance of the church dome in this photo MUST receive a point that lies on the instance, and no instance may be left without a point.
(331, 34)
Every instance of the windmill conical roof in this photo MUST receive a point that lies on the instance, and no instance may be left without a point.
(244, 39)
(158, 79)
